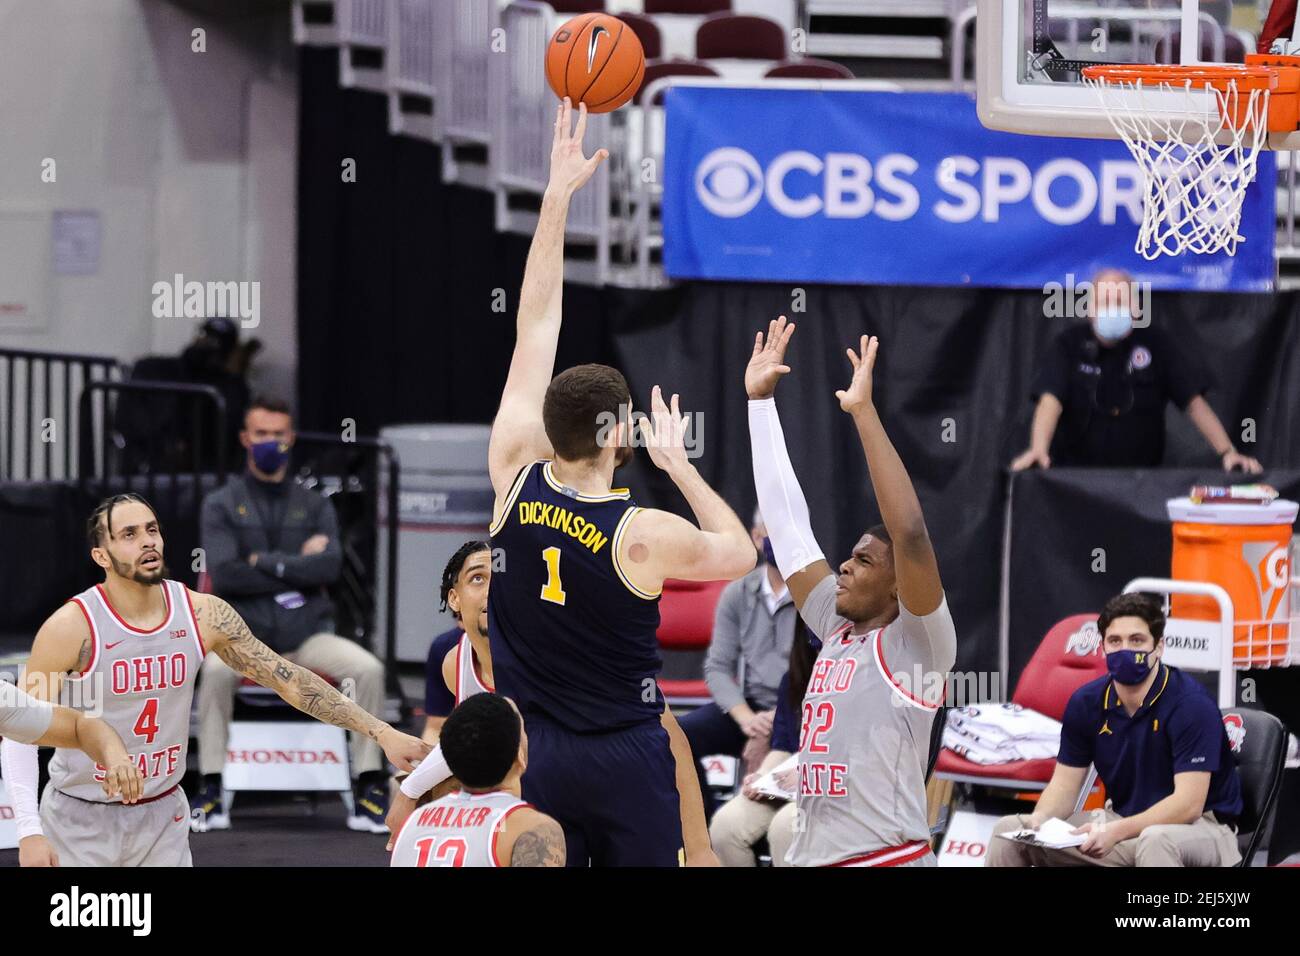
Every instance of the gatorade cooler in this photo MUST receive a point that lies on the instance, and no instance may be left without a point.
(1245, 549)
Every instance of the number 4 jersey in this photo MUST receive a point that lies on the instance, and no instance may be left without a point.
(140, 682)
(571, 636)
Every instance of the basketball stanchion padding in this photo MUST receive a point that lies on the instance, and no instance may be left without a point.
(1195, 132)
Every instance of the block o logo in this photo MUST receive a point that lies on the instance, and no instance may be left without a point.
(729, 182)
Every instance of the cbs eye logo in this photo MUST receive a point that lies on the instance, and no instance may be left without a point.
(729, 182)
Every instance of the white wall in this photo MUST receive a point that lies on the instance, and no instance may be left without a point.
(189, 158)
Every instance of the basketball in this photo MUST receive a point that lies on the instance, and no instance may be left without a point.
(595, 59)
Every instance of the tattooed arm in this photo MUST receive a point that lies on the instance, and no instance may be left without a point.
(225, 634)
(531, 838)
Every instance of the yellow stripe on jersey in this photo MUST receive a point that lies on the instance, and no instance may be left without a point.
(615, 494)
(618, 568)
(510, 499)
(562, 519)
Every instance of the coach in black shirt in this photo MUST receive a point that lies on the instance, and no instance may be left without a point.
(1103, 388)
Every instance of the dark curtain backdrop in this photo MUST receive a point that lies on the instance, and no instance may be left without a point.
(399, 275)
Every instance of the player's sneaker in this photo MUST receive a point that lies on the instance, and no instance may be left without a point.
(207, 812)
(371, 809)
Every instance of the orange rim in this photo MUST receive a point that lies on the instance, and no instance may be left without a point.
(1219, 77)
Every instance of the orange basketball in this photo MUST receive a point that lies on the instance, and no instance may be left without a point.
(595, 59)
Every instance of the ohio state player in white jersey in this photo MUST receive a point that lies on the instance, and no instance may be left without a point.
(485, 823)
(132, 646)
(466, 670)
(887, 638)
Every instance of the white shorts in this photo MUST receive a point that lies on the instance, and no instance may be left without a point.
(85, 833)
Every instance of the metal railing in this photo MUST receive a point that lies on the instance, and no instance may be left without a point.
(39, 413)
(141, 442)
(354, 468)
(363, 43)
(412, 73)
(465, 31)
(523, 110)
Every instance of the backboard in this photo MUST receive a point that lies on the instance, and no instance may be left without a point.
(1030, 54)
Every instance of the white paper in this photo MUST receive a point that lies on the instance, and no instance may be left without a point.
(1054, 834)
(768, 785)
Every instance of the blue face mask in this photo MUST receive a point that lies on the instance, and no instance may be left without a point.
(1129, 667)
(269, 456)
(768, 554)
(1114, 324)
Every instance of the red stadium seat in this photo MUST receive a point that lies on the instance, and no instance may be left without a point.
(739, 37)
(1068, 657)
(810, 68)
(647, 31)
(686, 624)
(687, 6)
(656, 71)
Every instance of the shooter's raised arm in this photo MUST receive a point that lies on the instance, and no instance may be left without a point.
(517, 433)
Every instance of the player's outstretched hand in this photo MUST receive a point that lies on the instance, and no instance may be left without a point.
(36, 851)
(767, 364)
(664, 433)
(858, 393)
(569, 168)
(399, 808)
(403, 750)
(124, 777)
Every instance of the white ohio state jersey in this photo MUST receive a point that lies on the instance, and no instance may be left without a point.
(141, 684)
(460, 829)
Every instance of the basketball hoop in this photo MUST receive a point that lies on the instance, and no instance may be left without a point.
(1196, 132)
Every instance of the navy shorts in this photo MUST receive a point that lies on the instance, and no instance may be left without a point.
(615, 794)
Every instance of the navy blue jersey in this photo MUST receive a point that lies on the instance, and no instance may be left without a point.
(571, 637)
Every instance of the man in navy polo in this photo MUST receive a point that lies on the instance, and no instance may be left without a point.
(1157, 739)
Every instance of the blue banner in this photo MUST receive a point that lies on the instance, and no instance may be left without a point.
(910, 189)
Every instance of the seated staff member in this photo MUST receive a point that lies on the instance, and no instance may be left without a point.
(1158, 742)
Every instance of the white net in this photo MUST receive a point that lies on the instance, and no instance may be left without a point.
(1196, 147)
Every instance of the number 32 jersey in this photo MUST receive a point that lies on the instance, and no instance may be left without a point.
(571, 636)
(141, 684)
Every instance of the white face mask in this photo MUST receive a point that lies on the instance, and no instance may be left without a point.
(1114, 323)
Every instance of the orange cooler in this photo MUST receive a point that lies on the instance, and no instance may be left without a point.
(1245, 549)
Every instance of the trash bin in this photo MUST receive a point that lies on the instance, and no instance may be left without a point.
(1245, 549)
(444, 499)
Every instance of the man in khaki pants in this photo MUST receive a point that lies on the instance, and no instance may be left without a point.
(1159, 745)
(272, 548)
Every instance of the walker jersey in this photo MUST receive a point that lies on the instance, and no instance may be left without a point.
(865, 735)
(141, 684)
(460, 829)
(571, 636)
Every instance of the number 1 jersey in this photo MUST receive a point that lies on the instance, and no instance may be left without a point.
(571, 636)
